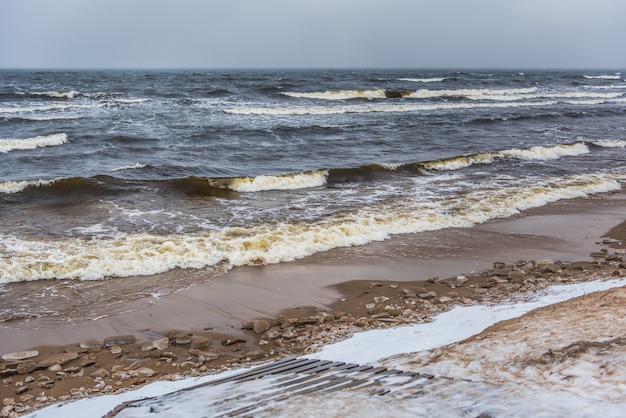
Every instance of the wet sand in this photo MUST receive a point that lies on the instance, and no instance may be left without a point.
(326, 293)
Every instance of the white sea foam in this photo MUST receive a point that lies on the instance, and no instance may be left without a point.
(616, 143)
(43, 108)
(379, 108)
(57, 94)
(282, 182)
(9, 187)
(145, 254)
(533, 153)
(7, 145)
(547, 153)
(340, 94)
(128, 167)
(424, 80)
(603, 77)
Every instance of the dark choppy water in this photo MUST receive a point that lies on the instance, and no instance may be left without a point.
(112, 174)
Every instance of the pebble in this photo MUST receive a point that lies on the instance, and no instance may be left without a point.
(119, 340)
(61, 359)
(260, 325)
(145, 372)
(116, 349)
(161, 344)
(200, 342)
(25, 368)
(20, 355)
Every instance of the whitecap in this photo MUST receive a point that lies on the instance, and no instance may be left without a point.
(7, 145)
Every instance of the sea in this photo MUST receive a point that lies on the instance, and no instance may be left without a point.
(159, 180)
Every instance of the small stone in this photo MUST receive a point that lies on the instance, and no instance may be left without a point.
(445, 299)
(516, 275)
(381, 299)
(145, 372)
(393, 286)
(260, 325)
(20, 355)
(119, 340)
(370, 305)
(161, 344)
(90, 345)
(116, 349)
(55, 368)
(120, 376)
(87, 362)
(148, 347)
(61, 359)
(208, 355)
(22, 389)
(232, 341)
(200, 342)
(99, 373)
(427, 295)
(25, 368)
(182, 339)
(8, 401)
(29, 379)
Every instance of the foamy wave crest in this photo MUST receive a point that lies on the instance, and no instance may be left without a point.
(7, 145)
(378, 108)
(281, 182)
(145, 254)
(617, 143)
(56, 94)
(340, 94)
(603, 77)
(533, 153)
(476, 94)
(546, 153)
(128, 167)
(458, 163)
(424, 80)
(43, 108)
(9, 187)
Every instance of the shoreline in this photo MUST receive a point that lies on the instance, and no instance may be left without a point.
(317, 312)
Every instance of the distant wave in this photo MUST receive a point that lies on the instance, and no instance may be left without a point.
(378, 108)
(56, 94)
(128, 167)
(471, 94)
(424, 80)
(616, 143)
(127, 254)
(42, 108)
(7, 145)
(604, 77)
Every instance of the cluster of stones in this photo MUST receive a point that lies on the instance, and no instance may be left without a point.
(405, 305)
(32, 378)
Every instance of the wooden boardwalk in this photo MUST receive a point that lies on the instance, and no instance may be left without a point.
(254, 391)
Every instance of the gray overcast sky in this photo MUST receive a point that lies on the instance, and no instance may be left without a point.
(312, 33)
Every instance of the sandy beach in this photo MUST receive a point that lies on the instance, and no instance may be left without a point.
(261, 313)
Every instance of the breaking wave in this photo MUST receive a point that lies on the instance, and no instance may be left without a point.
(424, 80)
(7, 145)
(145, 254)
(603, 77)
(128, 167)
(56, 94)
(10, 187)
(533, 153)
(278, 182)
